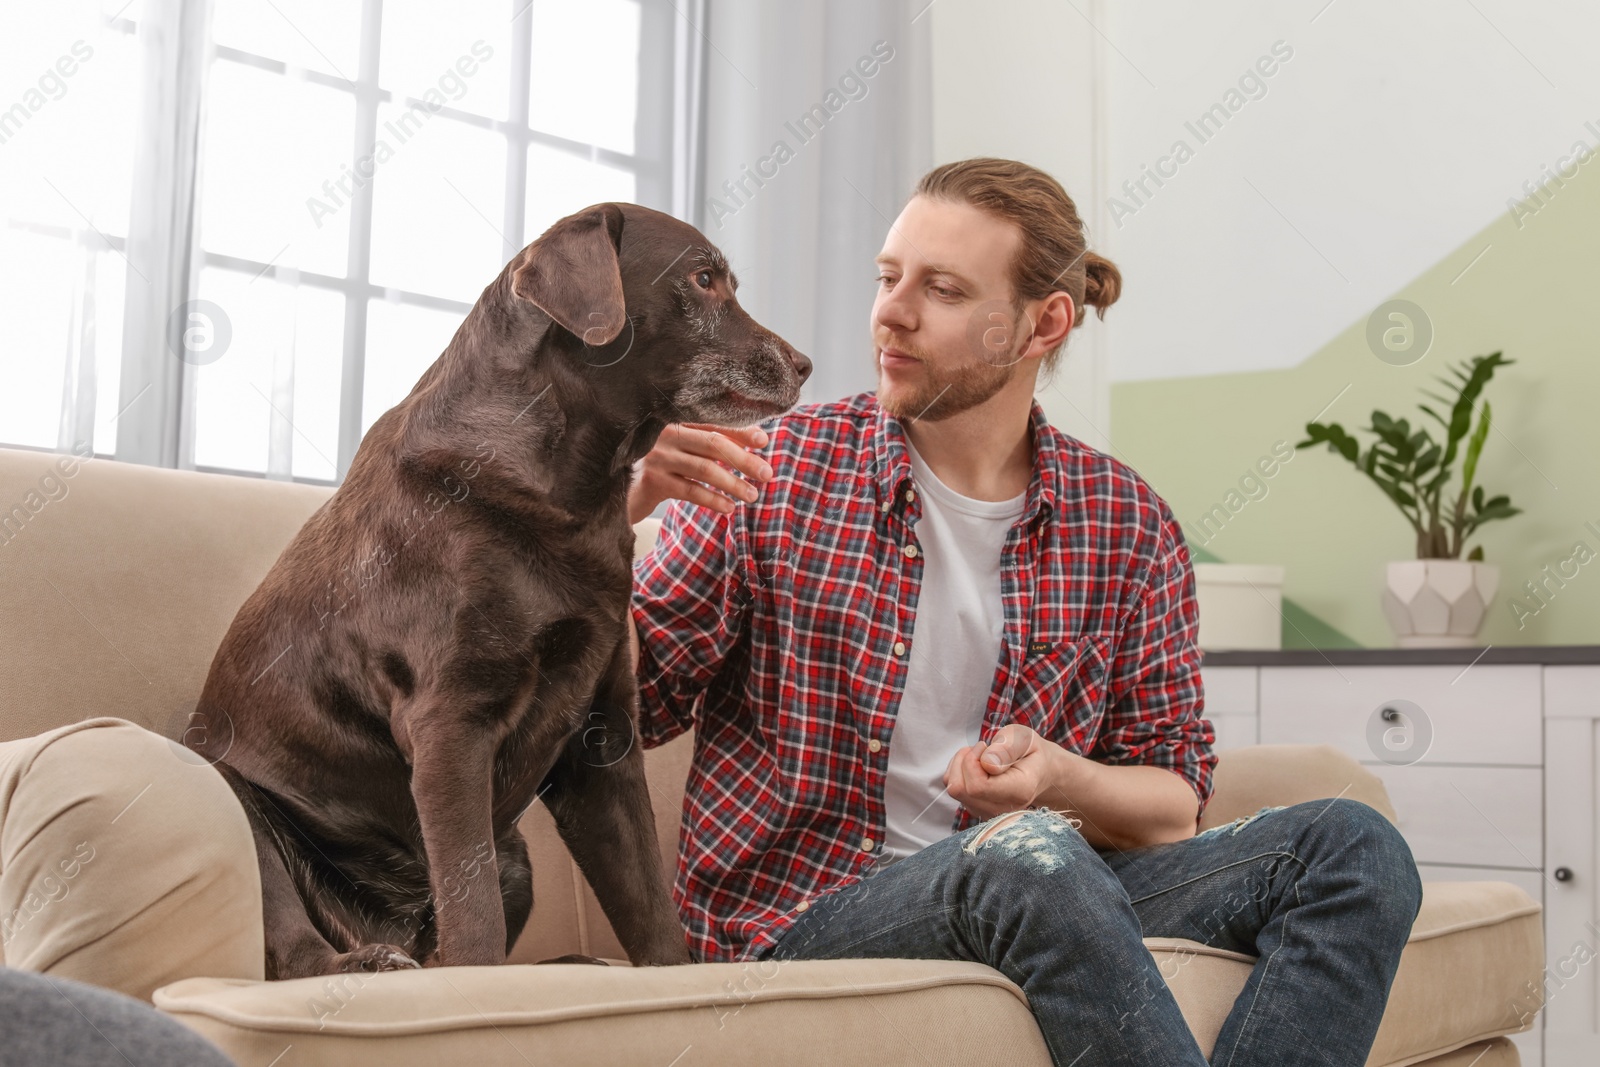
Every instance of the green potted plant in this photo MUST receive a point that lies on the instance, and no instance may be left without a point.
(1439, 599)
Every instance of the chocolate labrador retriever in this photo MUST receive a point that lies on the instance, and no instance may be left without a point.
(445, 640)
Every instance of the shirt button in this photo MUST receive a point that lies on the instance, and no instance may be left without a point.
(899, 648)
(866, 844)
(874, 745)
(885, 507)
(911, 494)
(910, 551)
(803, 905)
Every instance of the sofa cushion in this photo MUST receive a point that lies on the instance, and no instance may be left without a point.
(1472, 949)
(1471, 970)
(791, 1012)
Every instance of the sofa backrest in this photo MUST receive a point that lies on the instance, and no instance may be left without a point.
(117, 584)
(118, 581)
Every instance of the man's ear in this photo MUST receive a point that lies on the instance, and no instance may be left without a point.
(572, 274)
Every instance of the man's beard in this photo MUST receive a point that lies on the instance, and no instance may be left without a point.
(949, 393)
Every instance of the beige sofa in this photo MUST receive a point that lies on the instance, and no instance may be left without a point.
(118, 581)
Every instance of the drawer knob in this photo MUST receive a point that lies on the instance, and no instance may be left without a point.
(1562, 874)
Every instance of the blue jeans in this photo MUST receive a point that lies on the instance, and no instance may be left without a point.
(1322, 893)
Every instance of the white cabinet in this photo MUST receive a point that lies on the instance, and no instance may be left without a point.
(1459, 751)
(1572, 851)
(1491, 762)
(1231, 706)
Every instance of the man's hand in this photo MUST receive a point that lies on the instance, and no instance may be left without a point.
(1121, 807)
(687, 454)
(1005, 776)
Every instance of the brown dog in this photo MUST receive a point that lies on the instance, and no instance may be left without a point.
(444, 641)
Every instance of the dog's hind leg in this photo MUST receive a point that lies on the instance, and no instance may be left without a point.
(601, 804)
(516, 883)
(295, 947)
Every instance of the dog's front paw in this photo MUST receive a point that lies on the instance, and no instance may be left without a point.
(576, 957)
(374, 958)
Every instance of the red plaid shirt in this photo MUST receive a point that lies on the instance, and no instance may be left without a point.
(781, 634)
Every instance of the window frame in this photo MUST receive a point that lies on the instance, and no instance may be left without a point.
(651, 163)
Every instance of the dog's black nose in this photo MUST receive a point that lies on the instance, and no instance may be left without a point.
(800, 363)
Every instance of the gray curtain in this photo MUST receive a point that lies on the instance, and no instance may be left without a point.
(807, 160)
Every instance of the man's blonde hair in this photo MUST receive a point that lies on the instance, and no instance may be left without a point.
(1053, 254)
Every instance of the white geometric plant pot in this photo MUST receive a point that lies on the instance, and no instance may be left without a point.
(1438, 603)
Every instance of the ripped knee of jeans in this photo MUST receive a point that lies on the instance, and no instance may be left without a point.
(1240, 823)
(1030, 833)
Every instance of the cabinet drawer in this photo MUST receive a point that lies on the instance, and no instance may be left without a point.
(1488, 816)
(1229, 690)
(1233, 731)
(1486, 714)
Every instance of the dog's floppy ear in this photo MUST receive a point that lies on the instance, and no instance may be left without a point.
(571, 272)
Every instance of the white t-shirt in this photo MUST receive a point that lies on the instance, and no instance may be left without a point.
(955, 649)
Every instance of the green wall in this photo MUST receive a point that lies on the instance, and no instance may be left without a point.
(1535, 295)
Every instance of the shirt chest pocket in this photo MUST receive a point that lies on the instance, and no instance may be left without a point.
(1059, 687)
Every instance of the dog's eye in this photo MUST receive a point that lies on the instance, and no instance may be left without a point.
(703, 279)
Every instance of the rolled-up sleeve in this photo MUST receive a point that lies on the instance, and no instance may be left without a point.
(1156, 697)
(690, 606)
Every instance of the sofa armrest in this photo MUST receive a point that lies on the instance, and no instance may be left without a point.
(1257, 776)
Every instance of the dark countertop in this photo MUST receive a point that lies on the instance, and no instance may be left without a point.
(1395, 657)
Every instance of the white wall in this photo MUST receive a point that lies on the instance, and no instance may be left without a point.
(1019, 79)
(1393, 134)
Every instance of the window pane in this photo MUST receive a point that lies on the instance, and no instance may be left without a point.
(318, 375)
(322, 35)
(461, 50)
(272, 324)
(403, 340)
(560, 183)
(438, 204)
(275, 150)
(36, 286)
(585, 80)
(69, 160)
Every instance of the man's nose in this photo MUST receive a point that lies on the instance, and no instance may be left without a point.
(894, 312)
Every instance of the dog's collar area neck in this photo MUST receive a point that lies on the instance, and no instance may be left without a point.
(636, 443)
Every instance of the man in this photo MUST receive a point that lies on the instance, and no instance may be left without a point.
(938, 609)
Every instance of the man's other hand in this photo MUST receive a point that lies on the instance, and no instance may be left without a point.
(1007, 775)
(688, 454)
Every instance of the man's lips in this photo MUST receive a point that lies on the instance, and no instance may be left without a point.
(892, 358)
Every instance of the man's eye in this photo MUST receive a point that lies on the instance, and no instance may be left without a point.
(944, 292)
(703, 279)
(886, 279)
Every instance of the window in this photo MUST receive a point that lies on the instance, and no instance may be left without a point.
(365, 168)
(368, 169)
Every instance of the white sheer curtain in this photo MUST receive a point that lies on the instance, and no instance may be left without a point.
(68, 112)
(818, 124)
